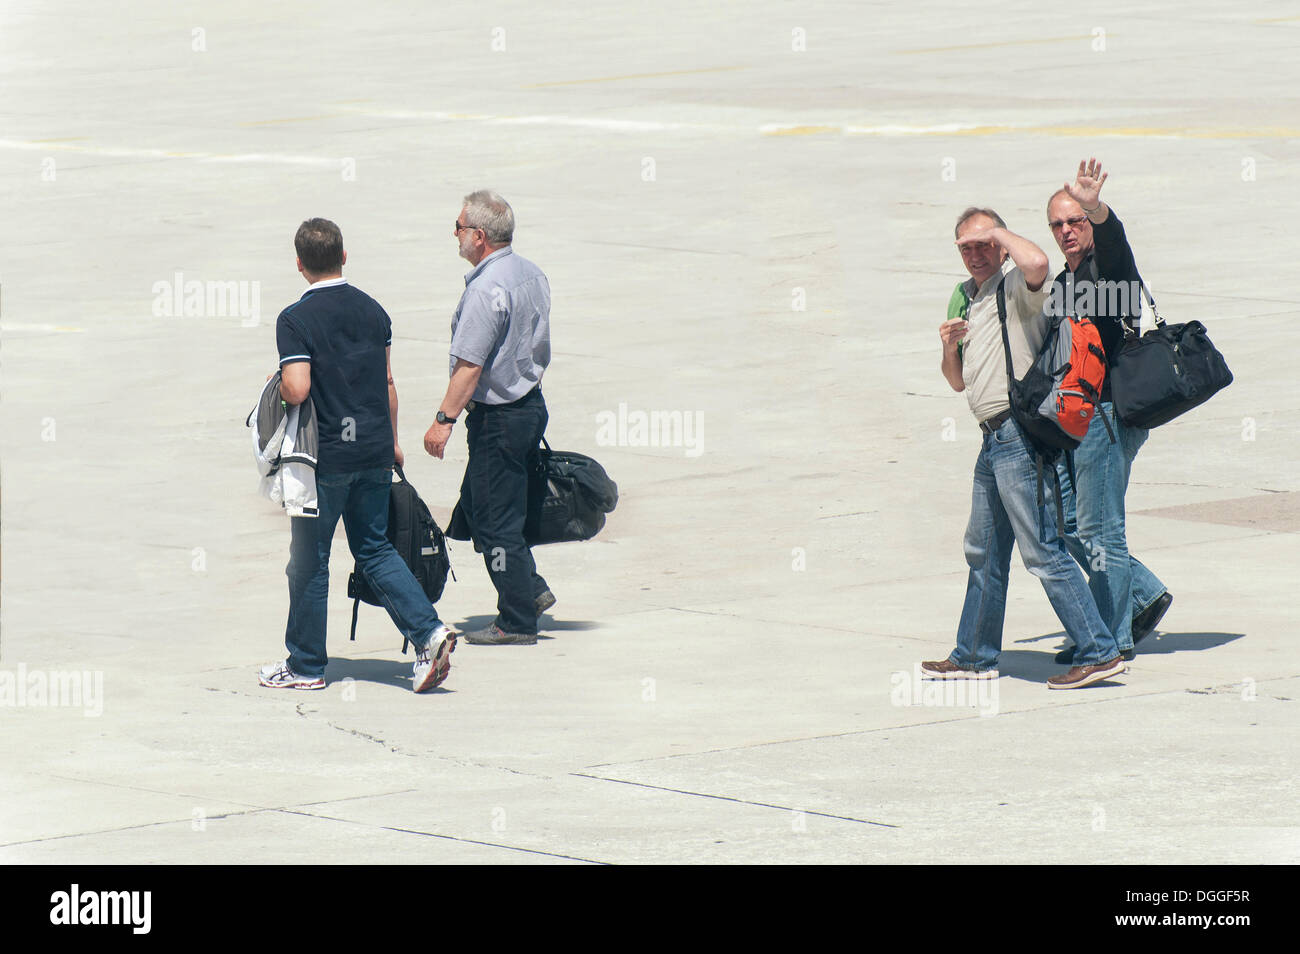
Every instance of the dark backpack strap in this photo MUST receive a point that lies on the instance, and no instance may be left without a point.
(1038, 469)
(1038, 496)
(356, 605)
(401, 476)
(1060, 509)
(1105, 420)
(1006, 341)
(1039, 457)
(1040, 462)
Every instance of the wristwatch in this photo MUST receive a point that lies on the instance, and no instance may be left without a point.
(443, 418)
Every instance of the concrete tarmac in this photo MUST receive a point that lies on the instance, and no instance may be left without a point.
(745, 213)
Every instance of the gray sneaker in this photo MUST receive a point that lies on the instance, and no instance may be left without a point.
(545, 600)
(495, 636)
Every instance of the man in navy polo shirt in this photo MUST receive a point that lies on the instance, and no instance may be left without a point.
(334, 350)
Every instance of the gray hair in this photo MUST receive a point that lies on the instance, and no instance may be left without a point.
(486, 210)
(973, 211)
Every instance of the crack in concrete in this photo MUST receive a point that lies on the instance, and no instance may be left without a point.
(466, 841)
(354, 732)
(1233, 689)
(306, 814)
(739, 801)
(250, 810)
(912, 725)
(396, 750)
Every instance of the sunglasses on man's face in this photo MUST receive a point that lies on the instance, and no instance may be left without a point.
(1075, 223)
(460, 227)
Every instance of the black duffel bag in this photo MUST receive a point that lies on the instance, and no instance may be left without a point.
(1165, 372)
(568, 497)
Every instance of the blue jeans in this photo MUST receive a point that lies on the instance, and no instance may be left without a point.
(1094, 524)
(1004, 510)
(503, 441)
(361, 499)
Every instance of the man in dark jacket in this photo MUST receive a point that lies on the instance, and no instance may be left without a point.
(1101, 281)
(334, 347)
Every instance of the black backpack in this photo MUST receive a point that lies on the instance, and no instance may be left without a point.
(1054, 402)
(419, 542)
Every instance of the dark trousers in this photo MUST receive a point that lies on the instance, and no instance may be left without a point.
(503, 441)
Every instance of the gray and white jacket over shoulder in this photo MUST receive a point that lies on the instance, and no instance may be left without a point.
(285, 445)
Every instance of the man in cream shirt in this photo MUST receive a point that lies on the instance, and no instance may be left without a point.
(1004, 505)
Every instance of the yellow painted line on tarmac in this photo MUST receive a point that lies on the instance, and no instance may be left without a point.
(941, 130)
(990, 46)
(290, 119)
(63, 139)
(1278, 20)
(632, 76)
(800, 130)
(948, 129)
(29, 326)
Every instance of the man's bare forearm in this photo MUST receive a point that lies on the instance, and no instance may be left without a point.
(1031, 259)
(392, 406)
(951, 333)
(951, 368)
(464, 379)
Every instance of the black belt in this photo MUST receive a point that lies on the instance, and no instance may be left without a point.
(532, 394)
(993, 423)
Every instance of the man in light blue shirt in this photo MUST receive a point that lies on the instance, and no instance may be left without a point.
(500, 348)
(502, 325)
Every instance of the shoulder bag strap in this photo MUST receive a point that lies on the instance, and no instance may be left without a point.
(1155, 314)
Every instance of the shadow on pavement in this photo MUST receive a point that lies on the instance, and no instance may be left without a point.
(1039, 665)
(546, 624)
(389, 672)
(1157, 642)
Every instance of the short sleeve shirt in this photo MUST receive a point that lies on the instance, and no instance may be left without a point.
(503, 325)
(344, 333)
(983, 365)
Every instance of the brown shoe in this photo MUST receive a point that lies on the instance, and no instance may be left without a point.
(947, 669)
(1081, 676)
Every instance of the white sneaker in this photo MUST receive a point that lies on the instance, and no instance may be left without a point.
(433, 663)
(280, 676)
